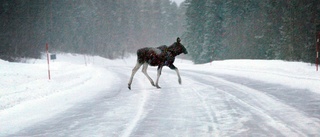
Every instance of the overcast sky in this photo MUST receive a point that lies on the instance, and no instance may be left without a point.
(178, 1)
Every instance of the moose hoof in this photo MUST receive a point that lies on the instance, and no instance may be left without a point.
(129, 86)
(179, 81)
(152, 83)
(158, 86)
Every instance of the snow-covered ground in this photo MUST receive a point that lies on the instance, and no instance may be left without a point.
(88, 96)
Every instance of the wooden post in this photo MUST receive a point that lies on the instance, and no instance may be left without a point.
(212, 56)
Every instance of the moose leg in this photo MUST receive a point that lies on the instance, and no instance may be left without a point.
(144, 70)
(177, 70)
(134, 70)
(158, 76)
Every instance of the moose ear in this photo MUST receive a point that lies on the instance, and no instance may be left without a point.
(178, 40)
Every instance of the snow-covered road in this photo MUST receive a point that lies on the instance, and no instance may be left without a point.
(208, 103)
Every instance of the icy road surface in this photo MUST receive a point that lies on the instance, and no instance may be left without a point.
(207, 104)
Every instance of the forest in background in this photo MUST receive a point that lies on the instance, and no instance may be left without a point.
(210, 29)
(252, 29)
(108, 28)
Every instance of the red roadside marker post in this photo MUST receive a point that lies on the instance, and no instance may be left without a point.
(317, 47)
(317, 44)
(48, 60)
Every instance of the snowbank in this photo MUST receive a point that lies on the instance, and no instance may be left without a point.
(294, 74)
(25, 88)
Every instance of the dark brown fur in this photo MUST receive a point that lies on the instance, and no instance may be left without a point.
(160, 56)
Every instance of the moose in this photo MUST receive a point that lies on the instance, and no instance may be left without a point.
(159, 56)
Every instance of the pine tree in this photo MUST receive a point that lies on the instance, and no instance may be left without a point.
(195, 22)
(213, 46)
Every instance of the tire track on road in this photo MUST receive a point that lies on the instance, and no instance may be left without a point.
(276, 116)
(141, 112)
